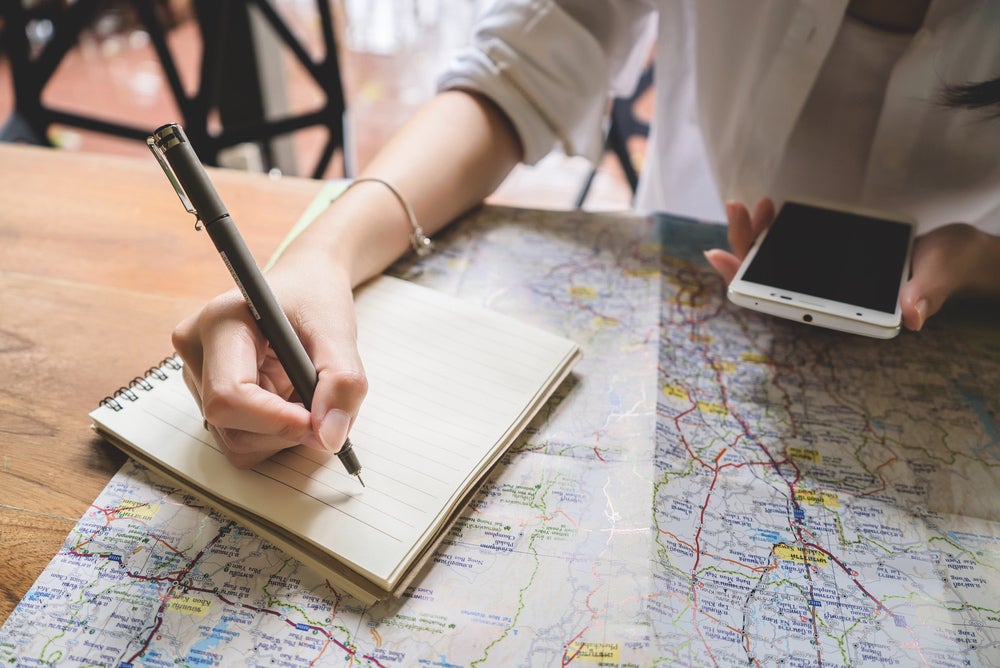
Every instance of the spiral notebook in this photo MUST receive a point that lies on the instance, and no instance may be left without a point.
(451, 385)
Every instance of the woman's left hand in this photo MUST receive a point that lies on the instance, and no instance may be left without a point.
(954, 260)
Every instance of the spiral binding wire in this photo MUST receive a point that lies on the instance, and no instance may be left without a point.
(128, 392)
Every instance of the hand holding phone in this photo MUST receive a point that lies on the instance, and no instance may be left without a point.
(831, 266)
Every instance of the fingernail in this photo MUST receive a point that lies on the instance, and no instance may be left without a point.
(921, 308)
(333, 430)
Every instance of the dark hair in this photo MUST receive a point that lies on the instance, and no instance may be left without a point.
(977, 95)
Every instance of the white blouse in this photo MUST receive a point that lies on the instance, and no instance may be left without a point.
(776, 97)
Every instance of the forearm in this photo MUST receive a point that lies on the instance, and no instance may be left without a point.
(449, 157)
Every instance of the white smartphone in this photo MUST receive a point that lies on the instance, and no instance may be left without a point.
(825, 265)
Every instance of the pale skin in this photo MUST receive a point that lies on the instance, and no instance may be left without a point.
(248, 400)
(243, 392)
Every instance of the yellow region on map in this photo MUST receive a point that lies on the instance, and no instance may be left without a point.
(605, 321)
(801, 555)
(675, 391)
(136, 510)
(826, 499)
(582, 291)
(755, 357)
(189, 605)
(687, 300)
(804, 455)
(595, 651)
(712, 408)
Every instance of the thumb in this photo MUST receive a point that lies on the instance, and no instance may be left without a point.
(931, 282)
(340, 390)
(953, 259)
(915, 305)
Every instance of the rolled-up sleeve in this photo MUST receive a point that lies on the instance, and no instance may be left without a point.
(550, 68)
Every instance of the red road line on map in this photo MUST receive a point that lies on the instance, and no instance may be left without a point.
(850, 573)
(152, 633)
(597, 453)
(695, 610)
(755, 569)
(878, 472)
(697, 538)
(776, 464)
(677, 538)
(322, 650)
(177, 581)
(110, 515)
(337, 598)
(594, 611)
(159, 617)
(701, 523)
(881, 439)
(718, 620)
(793, 496)
(566, 659)
(548, 518)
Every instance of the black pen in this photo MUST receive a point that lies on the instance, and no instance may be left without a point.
(188, 176)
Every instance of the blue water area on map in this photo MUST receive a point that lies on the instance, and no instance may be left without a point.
(982, 413)
(768, 536)
(212, 641)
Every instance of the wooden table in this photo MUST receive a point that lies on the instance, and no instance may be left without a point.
(98, 262)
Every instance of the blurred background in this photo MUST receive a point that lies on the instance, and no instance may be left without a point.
(299, 87)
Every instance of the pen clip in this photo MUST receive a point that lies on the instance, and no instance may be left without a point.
(172, 177)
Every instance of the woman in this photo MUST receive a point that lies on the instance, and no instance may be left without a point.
(836, 100)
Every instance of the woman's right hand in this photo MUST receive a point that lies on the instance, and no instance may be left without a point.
(245, 395)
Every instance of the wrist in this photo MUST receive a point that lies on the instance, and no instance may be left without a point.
(364, 229)
(311, 264)
(420, 243)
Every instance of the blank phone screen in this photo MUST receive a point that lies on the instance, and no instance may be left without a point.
(840, 256)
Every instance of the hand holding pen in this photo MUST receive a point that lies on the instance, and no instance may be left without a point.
(229, 367)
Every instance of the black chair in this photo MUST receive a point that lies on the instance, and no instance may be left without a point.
(622, 124)
(228, 80)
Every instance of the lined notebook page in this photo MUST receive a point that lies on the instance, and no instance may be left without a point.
(450, 386)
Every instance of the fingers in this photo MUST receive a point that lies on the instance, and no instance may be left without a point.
(245, 395)
(725, 263)
(743, 230)
(338, 398)
(953, 259)
(342, 384)
(224, 356)
(744, 227)
(763, 216)
(740, 228)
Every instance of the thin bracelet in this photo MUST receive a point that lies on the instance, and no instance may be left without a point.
(421, 243)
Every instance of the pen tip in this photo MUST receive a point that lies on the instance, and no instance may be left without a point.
(360, 480)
